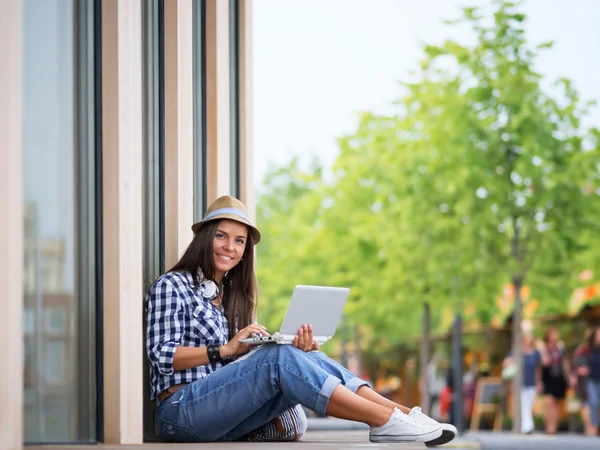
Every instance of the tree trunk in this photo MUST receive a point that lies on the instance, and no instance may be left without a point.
(457, 374)
(517, 355)
(424, 385)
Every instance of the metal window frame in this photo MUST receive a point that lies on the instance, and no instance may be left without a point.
(98, 238)
(89, 228)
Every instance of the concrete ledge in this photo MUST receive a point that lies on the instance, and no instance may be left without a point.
(328, 440)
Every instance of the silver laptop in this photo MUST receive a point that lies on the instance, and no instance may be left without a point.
(319, 306)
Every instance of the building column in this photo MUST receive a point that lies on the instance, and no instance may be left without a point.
(122, 220)
(179, 131)
(11, 225)
(246, 105)
(217, 99)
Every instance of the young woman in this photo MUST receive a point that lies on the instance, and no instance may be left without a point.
(531, 381)
(208, 386)
(554, 377)
(593, 380)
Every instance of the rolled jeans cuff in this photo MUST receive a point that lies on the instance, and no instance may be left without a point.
(356, 383)
(324, 394)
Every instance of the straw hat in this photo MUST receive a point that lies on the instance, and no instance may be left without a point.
(228, 207)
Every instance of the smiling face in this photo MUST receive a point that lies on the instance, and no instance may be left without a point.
(552, 336)
(527, 341)
(229, 245)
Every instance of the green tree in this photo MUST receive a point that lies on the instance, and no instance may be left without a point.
(506, 177)
(480, 178)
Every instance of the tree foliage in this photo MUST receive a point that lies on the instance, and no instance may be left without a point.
(481, 177)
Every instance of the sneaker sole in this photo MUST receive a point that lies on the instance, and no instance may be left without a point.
(447, 436)
(425, 437)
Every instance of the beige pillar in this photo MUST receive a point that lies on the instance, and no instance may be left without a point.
(179, 131)
(246, 105)
(11, 224)
(122, 219)
(217, 99)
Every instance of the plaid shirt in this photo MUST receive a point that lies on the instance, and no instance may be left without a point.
(178, 314)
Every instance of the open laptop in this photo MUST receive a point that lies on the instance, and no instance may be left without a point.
(319, 306)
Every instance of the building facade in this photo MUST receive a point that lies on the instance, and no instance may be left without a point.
(120, 120)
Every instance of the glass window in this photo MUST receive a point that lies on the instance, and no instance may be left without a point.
(59, 213)
(234, 83)
(154, 157)
(28, 321)
(55, 320)
(55, 365)
(199, 49)
(154, 139)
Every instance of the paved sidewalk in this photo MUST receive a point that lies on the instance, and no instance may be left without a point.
(536, 441)
(482, 440)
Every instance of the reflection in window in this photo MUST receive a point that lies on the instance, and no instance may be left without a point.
(55, 374)
(28, 321)
(199, 58)
(154, 170)
(55, 321)
(54, 370)
(234, 96)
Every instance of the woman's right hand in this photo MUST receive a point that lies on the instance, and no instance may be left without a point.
(234, 347)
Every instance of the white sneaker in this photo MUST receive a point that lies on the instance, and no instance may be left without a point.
(448, 430)
(403, 428)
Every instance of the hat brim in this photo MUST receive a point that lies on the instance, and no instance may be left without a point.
(253, 230)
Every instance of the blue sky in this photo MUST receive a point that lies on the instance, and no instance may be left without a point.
(317, 63)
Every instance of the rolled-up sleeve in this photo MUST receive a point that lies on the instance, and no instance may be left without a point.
(164, 325)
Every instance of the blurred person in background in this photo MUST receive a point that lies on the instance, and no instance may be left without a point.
(532, 384)
(470, 380)
(445, 401)
(580, 372)
(435, 384)
(592, 371)
(481, 371)
(449, 395)
(555, 370)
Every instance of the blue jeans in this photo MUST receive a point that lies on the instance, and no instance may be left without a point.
(245, 394)
(593, 392)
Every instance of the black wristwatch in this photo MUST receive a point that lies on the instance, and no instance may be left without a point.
(214, 353)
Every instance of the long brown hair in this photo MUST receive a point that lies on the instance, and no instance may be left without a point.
(240, 295)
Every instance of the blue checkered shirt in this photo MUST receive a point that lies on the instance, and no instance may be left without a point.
(178, 314)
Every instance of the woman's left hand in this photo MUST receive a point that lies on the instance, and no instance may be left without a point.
(304, 339)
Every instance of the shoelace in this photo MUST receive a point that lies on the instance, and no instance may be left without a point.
(424, 419)
(406, 418)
